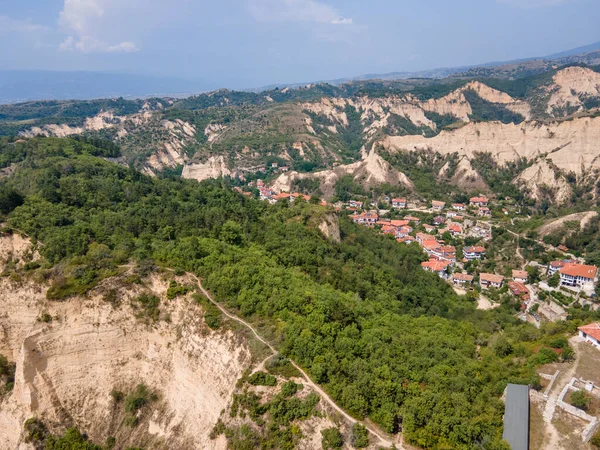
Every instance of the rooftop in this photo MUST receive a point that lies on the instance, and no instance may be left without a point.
(491, 278)
(593, 330)
(579, 270)
(520, 274)
(516, 417)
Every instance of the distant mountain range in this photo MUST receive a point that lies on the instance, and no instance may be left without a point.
(27, 85)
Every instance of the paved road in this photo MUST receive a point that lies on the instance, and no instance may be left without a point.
(382, 440)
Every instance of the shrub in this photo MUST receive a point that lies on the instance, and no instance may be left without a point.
(580, 399)
(212, 314)
(176, 290)
(331, 438)
(147, 307)
(36, 430)
(595, 441)
(360, 436)
(262, 379)
(290, 388)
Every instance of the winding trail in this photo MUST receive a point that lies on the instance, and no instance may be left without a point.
(382, 440)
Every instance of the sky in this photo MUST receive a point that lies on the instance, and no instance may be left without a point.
(252, 43)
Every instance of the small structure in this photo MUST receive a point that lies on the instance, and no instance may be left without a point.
(413, 219)
(519, 290)
(436, 266)
(399, 203)
(475, 252)
(366, 218)
(591, 333)
(488, 280)
(478, 201)
(460, 279)
(439, 220)
(458, 206)
(520, 276)
(437, 205)
(484, 212)
(555, 266)
(516, 417)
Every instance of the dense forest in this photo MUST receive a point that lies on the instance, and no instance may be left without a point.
(387, 340)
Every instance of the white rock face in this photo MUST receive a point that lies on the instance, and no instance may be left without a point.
(66, 369)
(214, 167)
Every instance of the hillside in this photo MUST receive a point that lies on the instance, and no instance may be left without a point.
(314, 129)
(109, 292)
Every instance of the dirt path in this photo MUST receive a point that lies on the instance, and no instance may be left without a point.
(382, 441)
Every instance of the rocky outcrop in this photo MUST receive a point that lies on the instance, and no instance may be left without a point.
(213, 167)
(330, 228)
(67, 368)
(370, 171)
(569, 88)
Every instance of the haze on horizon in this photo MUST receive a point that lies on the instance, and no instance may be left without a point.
(250, 43)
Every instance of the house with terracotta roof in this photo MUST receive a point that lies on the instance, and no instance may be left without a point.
(484, 212)
(475, 252)
(555, 266)
(399, 223)
(437, 205)
(366, 218)
(413, 219)
(436, 266)
(403, 232)
(488, 280)
(460, 279)
(520, 276)
(355, 204)
(429, 228)
(422, 237)
(445, 253)
(455, 229)
(518, 289)
(430, 246)
(406, 239)
(563, 248)
(439, 220)
(578, 275)
(458, 206)
(591, 333)
(478, 201)
(399, 203)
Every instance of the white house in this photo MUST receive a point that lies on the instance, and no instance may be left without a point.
(578, 275)
(591, 333)
(475, 252)
(399, 203)
(520, 276)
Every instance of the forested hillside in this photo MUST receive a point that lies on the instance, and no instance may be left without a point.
(387, 340)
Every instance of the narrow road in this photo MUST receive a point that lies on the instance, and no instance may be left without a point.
(382, 441)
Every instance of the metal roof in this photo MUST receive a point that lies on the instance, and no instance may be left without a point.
(516, 417)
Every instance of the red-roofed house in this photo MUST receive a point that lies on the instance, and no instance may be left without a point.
(461, 278)
(399, 203)
(484, 212)
(487, 280)
(367, 218)
(476, 252)
(437, 205)
(455, 229)
(429, 228)
(520, 276)
(519, 289)
(591, 333)
(555, 266)
(578, 275)
(413, 219)
(422, 237)
(445, 253)
(478, 201)
(406, 239)
(403, 232)
(435, 266)
(458, 206)
(399, 223)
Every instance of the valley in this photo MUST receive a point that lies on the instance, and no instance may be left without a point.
(362, 265)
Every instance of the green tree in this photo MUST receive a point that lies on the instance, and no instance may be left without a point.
(554, 280)
(580, 399)
(360, 436)
(331, 438)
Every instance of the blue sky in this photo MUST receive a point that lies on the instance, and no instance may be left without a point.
(248, 43)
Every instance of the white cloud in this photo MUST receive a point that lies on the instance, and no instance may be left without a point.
(296, 10)
(88, 44)
(8, 24)
(87, 22)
